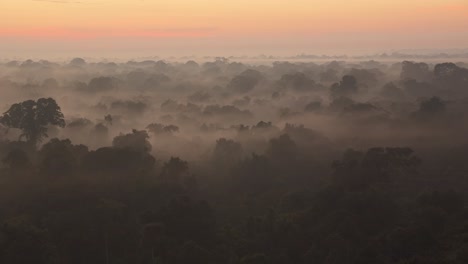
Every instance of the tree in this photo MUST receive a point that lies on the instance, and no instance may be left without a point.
(254, 174)
(415, 71)
(448, 76)
(348, 86)
(174, 170)
(227, 152)
(25, 243)
(191, 252)
(392, 91)
(153, 240)
(430, 108)
(367, 78)
(433, 105)
(297, 81)
(118, 161)
(102, 84)
(137, 140)
(33, 117)
(78, 62)
(245, 81)
(17, 159)
(60, 157)
(158, 129)
(359, 169)
(282, 149)
(108, 119)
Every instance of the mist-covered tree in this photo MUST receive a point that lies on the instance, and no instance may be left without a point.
(449, 76)
(430, 108)
(26, 244)
(61, 157)
(137, 140)
(297, 81)
(108, 118)
(158, 129)
(253, 174)
(102, 84)
(359, 169)
(391, 90)
(366, 77)
(153, 238)
(33, 117)
(227, 152)
(174, 170)
(245, 81)
(78, 62)
(118, 161)
(282, 149)
(17, 159)
(348, 86)
(415, 71)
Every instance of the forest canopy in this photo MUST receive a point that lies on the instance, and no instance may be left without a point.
(225, 161)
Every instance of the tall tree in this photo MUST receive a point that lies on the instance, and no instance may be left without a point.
(33, 117)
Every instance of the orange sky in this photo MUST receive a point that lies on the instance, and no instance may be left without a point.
(234, 27)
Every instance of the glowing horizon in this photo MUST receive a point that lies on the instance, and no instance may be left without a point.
(206, 25)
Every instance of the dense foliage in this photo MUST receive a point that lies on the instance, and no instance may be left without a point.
(386, 184)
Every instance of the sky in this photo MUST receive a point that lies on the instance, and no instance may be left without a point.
(229, 27)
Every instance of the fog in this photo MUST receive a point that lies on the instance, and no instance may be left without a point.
(357, 104)
(216, 158)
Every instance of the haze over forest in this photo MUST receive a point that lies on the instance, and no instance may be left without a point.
(141, 132)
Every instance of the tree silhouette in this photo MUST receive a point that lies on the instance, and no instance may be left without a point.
(137, 140)
(17, 159)
(26, 244)
(348, 86)
(282, 149)
(157, 129)
(430, 108)
(245, 81)
(227, 152)
(415, 71)
(448, 76)
(357, 169)
(174, 169)
(153, 239)
(33, 117)
(60, 157)
(298, 81)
